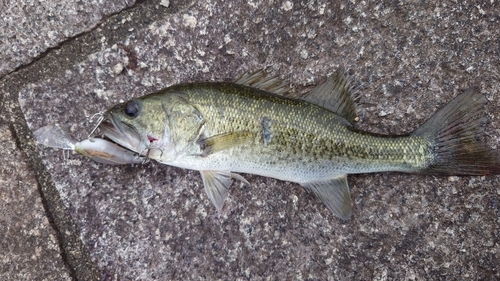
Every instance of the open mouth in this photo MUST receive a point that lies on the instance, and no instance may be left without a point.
(108, 124)
(110, 130)
(121, 133)
(127, 136)
(113, 133)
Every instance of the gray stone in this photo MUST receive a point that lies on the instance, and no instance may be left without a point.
(29, 244)
(154, 222)
(29, 28)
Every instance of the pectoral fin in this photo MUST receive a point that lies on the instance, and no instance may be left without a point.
(224, 141)
(335, 194)
(217, 185)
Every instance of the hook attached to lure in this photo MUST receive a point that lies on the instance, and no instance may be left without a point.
(99, 121)
(148, 149)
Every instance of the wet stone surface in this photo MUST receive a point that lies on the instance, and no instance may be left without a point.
(154, 222)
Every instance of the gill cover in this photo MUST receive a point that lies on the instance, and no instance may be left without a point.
(184, 121)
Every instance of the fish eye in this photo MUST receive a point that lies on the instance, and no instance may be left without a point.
(132, 109)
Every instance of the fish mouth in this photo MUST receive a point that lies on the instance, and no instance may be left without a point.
(121, 133)
(107, 124)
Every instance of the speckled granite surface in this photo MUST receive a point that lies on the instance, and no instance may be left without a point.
(29, 28)
(154, 222)
(27, 239)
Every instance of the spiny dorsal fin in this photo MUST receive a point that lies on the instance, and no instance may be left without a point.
(336, 94)
(334, 193)
(264, 81)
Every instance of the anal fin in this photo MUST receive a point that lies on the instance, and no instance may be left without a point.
(334, 193)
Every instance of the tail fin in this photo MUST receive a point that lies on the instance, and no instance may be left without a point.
(453, 131)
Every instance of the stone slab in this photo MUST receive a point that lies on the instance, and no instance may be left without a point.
(29, 28)
(28, 244)
(154, 222)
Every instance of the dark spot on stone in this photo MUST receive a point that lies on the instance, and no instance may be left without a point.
(131, 54)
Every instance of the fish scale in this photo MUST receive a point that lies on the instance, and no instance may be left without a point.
(318, 140)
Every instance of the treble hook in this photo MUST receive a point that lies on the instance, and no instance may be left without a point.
(147, 153)
(99, 121)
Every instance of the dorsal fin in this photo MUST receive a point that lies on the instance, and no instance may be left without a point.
(336, 94)
(264, 81)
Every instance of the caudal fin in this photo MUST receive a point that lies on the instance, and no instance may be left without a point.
(453, 132)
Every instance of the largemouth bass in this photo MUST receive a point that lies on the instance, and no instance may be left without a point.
(255, 126)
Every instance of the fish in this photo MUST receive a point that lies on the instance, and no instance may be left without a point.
(256, 125)
(97, 149)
